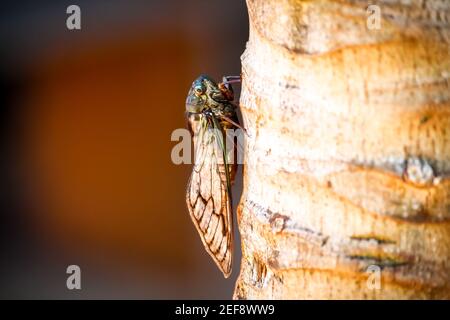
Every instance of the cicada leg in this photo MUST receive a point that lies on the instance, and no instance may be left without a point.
(231, 79)
(225, 86)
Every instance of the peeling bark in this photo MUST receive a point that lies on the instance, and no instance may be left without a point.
(348, 155)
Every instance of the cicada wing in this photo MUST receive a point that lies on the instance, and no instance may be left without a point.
(208, 197)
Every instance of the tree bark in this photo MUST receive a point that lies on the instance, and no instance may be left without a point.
(348, 154)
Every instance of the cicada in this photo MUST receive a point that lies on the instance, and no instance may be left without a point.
(210, 114)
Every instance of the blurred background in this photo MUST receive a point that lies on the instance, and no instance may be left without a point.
(86, 173)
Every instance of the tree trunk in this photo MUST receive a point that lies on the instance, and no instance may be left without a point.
(346, 182)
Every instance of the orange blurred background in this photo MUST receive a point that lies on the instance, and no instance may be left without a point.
(85, 140)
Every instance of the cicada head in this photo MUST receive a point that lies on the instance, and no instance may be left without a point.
(204, 93)
(197, 98)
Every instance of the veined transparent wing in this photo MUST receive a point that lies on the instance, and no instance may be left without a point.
(208, 193)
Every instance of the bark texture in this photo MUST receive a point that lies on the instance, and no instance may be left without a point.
(348, 155)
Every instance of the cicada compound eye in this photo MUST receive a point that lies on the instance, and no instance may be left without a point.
(199, 90)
